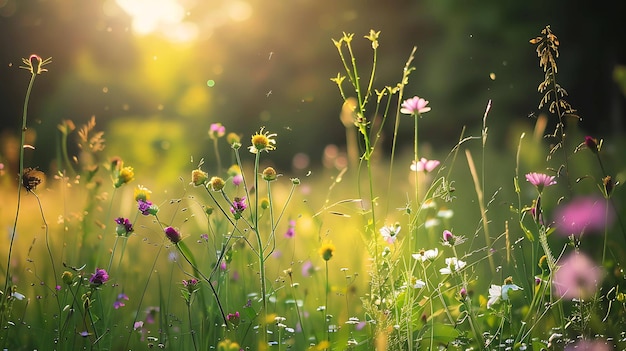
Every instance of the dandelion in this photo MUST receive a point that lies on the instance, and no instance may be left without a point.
(414, 106)
(99, 277)
(540, 180)
(263, 141)
(452, 265)
(239, 205)
(390, 233)
(426, 255)
(577, 277)
(424, 165)
(501, 292)
(124, 226)
(172, 234)
(327, 250)
(589, 214)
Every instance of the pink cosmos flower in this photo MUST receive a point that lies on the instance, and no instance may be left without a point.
(577, 277)
(540, 180)
(589, 214)
(424, 165)
(414, 106)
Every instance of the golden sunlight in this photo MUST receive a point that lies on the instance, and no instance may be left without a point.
(163, 16)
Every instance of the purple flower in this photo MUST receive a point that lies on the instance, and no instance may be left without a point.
(577, 277)
(583, 214)
(424, 165)
(233, 318)
(144, 206)
(239, 204)
(291, 230)
(540, 180)
(119, 302)
(99, 277)
(237, 179)
(217, 130)
(414, 106)
(124, 227)
(172, 234)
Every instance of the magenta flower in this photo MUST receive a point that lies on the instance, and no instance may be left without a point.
(99, 277)
(237, 179)
(307, 268)
(291, 230)
(448, 238)
(414, 106)
(173, 234)
(424, 165)
(124, 226)
(145, 207)
(119, 302)
(577, 277)
(216, 130)
(239, 204)
(540, 180)
(589, 214)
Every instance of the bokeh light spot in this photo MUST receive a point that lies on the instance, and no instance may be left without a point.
(210, 83)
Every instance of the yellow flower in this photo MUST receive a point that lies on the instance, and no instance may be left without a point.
(216, 183)
(269, 174)
(263, 141)
(234, 170)
(126, 175)
(327, 250)
(199, 177)
(142, 193)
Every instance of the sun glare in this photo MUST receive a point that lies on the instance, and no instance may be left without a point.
(164, 16)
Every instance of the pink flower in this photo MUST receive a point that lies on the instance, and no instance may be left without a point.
(577, 277)
(291, 230)
(173, 234)
(583, 215)
(414, 106)
(589, 345)
(540, 180)
(424, 165)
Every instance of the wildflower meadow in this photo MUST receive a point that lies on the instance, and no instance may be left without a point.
(383, 247)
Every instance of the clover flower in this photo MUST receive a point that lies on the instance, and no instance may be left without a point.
(501, 292)
(540, 180)
(99, 277)
(414, 106)
(452, 265)
(424, 165)
(390, 232)
(262, 141)
(124, 226)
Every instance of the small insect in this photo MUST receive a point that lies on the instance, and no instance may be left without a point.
(268, 93)
(270, 56)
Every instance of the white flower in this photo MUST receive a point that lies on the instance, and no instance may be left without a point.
(428, 255)
(390, 233)
(497, 292)
(453, 265)
(17, 295)
(419, 284)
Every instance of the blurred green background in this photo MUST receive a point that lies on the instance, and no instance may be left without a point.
(157, 73)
